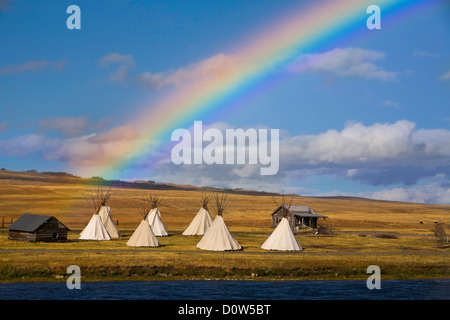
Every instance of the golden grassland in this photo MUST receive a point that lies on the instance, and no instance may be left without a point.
(396, 236)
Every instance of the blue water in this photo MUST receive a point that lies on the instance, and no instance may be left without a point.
(231, 290)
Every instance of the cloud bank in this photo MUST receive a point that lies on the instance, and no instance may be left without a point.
(70, 126)
(380, 154)
(6, 5)
(445, 76)
(123, 63)
(215, 67)
(426, 193)
(99, 149)
(342, 62)
(33, 66)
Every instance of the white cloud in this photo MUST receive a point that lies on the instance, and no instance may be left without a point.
(26, 144)
(390, 104)
(98, 149)
(356, 143)
(421, 53)
(33, 66)
(69, 126)
(4, 126)
(344, 62)
(124, 63)
(115, 57)
(380, 154)
(6, 5)
(428, 193)
(445, 76)
(355, 149)
(215, 67)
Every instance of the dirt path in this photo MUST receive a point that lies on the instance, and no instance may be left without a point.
(43, 251)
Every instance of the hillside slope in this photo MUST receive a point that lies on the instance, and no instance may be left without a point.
(64, 196)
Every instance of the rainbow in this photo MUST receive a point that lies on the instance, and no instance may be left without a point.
(305, 30)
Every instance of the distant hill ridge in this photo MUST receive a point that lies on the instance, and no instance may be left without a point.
(65, 177)
(68, 178)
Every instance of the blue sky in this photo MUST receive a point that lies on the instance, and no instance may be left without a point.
(369, 117)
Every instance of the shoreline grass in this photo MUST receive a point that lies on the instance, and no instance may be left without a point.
(178, 259)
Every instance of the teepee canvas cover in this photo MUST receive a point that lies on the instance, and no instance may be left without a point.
(143, 236)
(282, 238)
(218, 237)
(105, 215)
(95, 230)
(200, 224)
(155, 222)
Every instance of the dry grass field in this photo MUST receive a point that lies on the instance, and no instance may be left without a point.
(399, 237)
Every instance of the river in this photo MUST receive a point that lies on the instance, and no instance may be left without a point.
(437, 289)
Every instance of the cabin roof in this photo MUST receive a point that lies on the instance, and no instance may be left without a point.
(30, 222)
(301, 211)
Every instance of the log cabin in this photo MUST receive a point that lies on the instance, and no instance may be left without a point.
(37, 228)
(298, 217)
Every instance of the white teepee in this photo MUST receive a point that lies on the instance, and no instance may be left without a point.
(200, 224)
(218, 237)
(105, 214)
(143, 236)
(282, 238)
(155, 222)
(95, 230)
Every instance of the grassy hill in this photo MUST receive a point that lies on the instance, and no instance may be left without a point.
(397, 236)
(64, 196)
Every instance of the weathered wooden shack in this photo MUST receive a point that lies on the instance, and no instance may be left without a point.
(298, 217)
(36, 228)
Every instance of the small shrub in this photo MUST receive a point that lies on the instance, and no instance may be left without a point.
(439, 233)
(325, 228)
(386, 236)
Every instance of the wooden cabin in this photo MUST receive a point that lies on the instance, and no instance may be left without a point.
(36, 228)
(298, 217)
